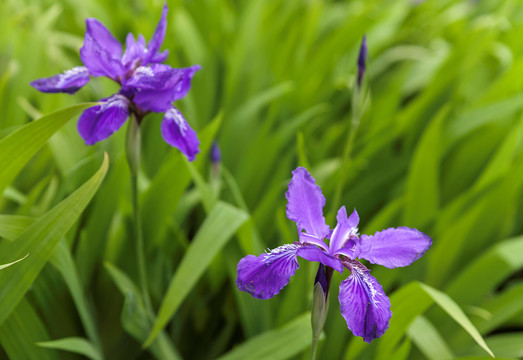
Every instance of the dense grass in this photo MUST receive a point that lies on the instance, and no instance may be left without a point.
(439, 147)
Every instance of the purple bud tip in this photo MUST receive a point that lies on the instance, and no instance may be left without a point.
(323, 277)
(216, 154)
(362, 57)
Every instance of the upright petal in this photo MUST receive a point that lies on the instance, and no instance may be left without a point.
(159, 34)
(265, 275)
(177, 132)
(305, 203)
(344, 229)
(393, 247)
(100, 121)
(135, 51)
(363, 303)
(70, 81)
(101, 53)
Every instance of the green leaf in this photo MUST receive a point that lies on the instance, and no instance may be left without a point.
(21, 330)
(219, 226)
(504, 257)
(11, 226)
(508, 344)
(73, 344)
(454, 311)
(159, 202)
(18, 148)
(423, 179)
(476, 118)
(428, 339)
(134, 316)
(283, 343)
(414, 299)
(64, 262)
(14, 262)
(39, 240)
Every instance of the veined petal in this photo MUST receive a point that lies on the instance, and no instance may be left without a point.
(101, 53)
(265, 275)
(313, 253)
(363, 303)
(157, 86)
(70, 81)
(99, 122)
(177, 132)
(344, 229)
(393, 247)
(157, 39)
(305, 203)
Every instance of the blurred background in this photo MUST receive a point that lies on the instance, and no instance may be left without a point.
(439, 147)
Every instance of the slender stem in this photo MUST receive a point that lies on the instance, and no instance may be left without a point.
(314, 347)
(133, 158)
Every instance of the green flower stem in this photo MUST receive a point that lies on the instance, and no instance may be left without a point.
(133, 148)
(314, 347)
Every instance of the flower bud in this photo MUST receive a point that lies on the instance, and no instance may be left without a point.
(320, 299)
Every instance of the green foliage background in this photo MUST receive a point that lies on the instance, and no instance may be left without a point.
(439, 148)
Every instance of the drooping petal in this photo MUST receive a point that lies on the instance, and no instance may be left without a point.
(265, 275)
(313, 253)
(344, 229)
(305, 203)
(157, 86)
(70, 81)
(177, 132)
(393, 247)
(157, 39)
(99, 122)
(101, 53)
(363, 303)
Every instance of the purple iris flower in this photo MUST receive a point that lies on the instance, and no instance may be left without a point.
(363, 303)
(146, 85)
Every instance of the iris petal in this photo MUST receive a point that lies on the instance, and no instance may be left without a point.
(313, 253)
(157, 86)
(101, 53)
(265, 275)
(177, 132)
(70, 81)
(393, 247)
(344, 229)
(305, 203)
(101, 121)
(157, 39)
(134, 51)
(363, 303)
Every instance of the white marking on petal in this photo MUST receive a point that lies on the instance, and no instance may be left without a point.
(144, 71)
(363, 274)
(67, 74)
(174, 115)
(115, 100)
(287, 248)
(75, 71)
